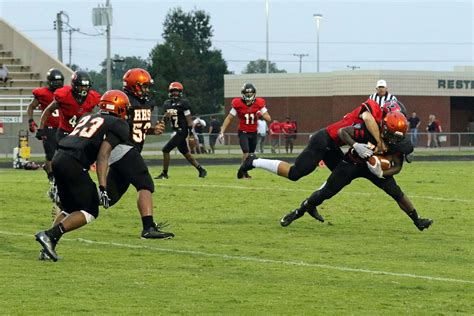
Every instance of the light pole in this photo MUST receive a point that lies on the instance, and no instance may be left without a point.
(318, 18)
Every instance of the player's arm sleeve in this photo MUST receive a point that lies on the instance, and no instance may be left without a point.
(372, 126)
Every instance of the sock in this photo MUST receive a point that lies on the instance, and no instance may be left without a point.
(164, 172)
(56, 232)
(50, 177)
(267, 164)
(148, 222)
(199, 167)
(413, 215)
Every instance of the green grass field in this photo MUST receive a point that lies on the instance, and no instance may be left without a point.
(231, 256)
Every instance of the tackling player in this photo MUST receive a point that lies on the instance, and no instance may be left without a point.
(325, 145)
(126, 162)
(394, 128)
(249, 109)
(42, 98)
(178, 112)
(93, 138)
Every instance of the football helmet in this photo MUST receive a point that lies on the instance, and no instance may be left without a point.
(116, 102)
(394, 106)
(394, 127)
(55, 79)
(137, 81)
(175, 90)
(248, 93)
(81, 83)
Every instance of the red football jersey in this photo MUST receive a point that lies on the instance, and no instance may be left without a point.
(248, 116)
(69, 110)
(354, 118)
(45, 97)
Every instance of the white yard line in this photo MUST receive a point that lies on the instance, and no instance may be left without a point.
(238, 187)
(253, 259)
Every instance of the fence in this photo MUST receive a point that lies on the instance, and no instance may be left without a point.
(153, 144)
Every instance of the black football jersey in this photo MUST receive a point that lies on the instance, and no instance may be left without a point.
(175, 112)
(84, 142)
(139, 120)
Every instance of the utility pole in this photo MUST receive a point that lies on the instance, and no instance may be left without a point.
(267, 53)
(109, 61)
(59, 30)
(300, 56)
(70, 31)
(352, 67)
(102, 16)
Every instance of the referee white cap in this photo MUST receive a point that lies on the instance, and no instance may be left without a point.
(381, 83)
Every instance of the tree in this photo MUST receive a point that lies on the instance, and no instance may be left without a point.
(186, 56)
(260, 66)
(119, 66)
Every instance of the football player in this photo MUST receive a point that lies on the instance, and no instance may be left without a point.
(126, 162)
(325, 145)
(249, 109)
(177, 111)
(93, 138)
(394, 128)
(43, 96)
(72, 102)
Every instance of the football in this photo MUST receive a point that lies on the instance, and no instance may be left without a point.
(386, 161)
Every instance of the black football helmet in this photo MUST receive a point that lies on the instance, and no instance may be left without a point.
(81, 83)
(55, 79)
(249, 93)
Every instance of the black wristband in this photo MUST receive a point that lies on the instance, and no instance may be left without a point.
(190, 131)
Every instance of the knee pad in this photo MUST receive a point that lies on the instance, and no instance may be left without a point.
(89, 217)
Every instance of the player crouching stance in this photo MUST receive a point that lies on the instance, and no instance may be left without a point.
(92, 139)
(394, 128)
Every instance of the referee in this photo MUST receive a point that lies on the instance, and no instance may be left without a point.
(382, 95)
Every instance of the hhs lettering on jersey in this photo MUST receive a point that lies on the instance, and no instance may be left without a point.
(141, 115)
(141, 124)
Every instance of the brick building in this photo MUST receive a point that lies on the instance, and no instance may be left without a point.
(315, 100)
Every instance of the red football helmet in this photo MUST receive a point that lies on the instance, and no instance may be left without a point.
(394, 106)
(394, 127)
(116, 102)
(137, 81)
(175, 90)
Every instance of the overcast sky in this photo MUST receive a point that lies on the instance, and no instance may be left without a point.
(395, 35)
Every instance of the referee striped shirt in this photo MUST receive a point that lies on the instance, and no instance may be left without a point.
(382, 99)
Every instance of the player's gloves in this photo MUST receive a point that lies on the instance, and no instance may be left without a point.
(363, 150)
(40, 134)
(32, 125)
(376, 169)
(104, 197)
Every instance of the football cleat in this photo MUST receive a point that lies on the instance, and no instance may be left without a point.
(423, 223)
(202, 173)
(155, 233)
(162, 176)
(290, 217)
(48, 245)
(246, 166)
